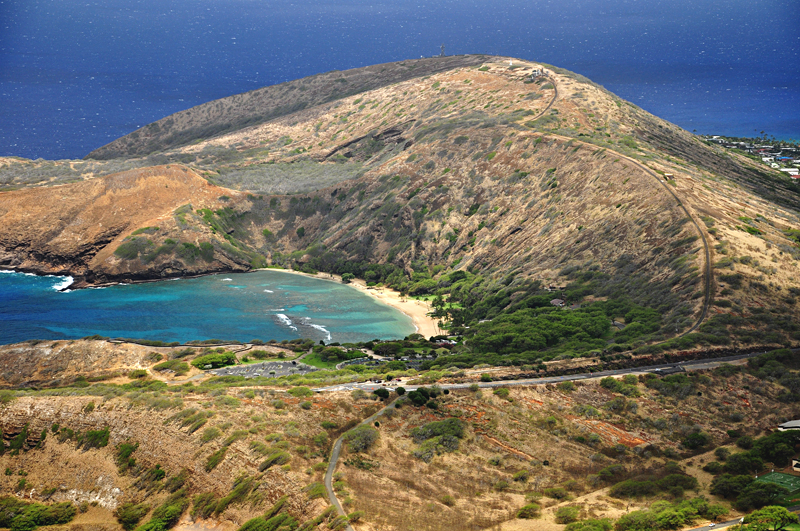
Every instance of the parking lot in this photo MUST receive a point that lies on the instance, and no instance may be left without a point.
(267, 369)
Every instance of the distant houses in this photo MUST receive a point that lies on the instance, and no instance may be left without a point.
(778, 157)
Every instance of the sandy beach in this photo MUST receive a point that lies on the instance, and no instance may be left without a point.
(416, 310)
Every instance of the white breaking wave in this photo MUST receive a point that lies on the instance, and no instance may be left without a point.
(277, 310)
(20, 273)
(227, 279)
(285, 320)
(62, 286)
(323, 329)
(268, 291)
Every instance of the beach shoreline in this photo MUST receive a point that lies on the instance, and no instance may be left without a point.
(414, 309)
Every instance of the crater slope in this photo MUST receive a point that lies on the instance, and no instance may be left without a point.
(518, 172)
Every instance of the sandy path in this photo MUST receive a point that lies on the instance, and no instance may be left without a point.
(416, 310)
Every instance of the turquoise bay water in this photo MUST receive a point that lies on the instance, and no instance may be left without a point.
(260, 305)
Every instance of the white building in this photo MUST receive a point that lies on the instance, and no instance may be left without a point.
(791, 425)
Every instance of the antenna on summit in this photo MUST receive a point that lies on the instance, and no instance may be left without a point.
(442, 54)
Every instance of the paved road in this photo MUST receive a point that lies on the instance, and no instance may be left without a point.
(794, 509)
(718, 525)
(337, 449)
(690, 364)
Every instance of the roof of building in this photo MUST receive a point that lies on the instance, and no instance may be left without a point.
(790, 424)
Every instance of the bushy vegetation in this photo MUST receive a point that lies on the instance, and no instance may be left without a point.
(276, 458)
(166, 515)
(216, 360)
(436, 438)
(361, 438)
(780, 366)
(666, 515)
(529, 511)
(215, 459)
(177, 366)
(648, 486)
(20, 515)
(130, 514)
(734, 479)
(123, 455)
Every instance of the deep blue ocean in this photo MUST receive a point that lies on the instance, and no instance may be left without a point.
(260, 305)
(75, 75)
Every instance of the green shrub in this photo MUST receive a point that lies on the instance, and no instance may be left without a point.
(529, 511)
(447, 500)
(502, 392)
(634, 488)
(566, 515)
(215, 459)
(129, 514)
(278, 522)
(20, 515)
(123, 455)
(521, 476)
(566, 387)
(299, 392)
(381, 393)
(453, 427)
(277, 458)
(216, 360)
(697, 440)
(137, 373)
(204, 505)
(95, 438)
(361, 438)
(602, 524)
(179, 367)
(241, 488)
(209, 434)
(315, 490)
(557, 493)
(167, 514)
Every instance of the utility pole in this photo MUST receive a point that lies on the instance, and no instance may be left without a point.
(442, 54)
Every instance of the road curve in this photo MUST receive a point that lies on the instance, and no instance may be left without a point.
(708, 269)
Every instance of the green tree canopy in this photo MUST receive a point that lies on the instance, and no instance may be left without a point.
(770, 518)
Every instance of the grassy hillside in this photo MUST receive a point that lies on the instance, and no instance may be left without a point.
(129, 448)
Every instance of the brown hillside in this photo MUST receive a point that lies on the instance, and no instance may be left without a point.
(475, 166)
(265, 104)
(558, 436)
(76, 228)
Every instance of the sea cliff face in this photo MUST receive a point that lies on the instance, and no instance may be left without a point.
(75, 229)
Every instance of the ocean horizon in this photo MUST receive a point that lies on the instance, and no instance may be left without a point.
(75, 76)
